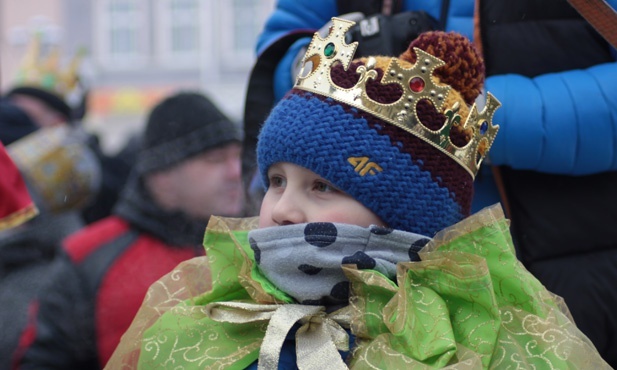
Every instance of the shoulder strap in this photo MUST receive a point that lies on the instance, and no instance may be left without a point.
(443, 16)
(600, 15)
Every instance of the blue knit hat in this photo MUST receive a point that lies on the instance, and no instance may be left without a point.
(405, 180)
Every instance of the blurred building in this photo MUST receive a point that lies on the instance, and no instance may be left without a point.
(140, 50)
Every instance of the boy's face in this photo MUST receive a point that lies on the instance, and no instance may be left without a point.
(297, 195)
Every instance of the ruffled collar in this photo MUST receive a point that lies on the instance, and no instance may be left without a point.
(468, 304)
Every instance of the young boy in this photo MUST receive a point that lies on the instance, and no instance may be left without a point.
(354, 261)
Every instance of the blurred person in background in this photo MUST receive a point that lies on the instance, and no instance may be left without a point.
(44, 94)
(62, 175)
(16, 208)
(187, 169)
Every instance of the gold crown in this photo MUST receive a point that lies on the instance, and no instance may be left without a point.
(60, 166)
(45, 72)
(417, 83)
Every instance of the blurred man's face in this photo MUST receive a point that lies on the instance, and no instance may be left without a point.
(39, 113)
(210, 183)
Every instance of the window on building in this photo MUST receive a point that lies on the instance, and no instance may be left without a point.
(177, 30)
(123, 32)
(246, 26)
(244, 20)
(184, 28)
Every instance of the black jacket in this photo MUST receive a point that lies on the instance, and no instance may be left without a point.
(26, 260)
(565, 227)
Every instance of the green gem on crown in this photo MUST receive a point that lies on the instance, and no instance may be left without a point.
(329, 50)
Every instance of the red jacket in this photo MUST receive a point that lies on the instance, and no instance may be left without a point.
(123, 284)
(98, 284)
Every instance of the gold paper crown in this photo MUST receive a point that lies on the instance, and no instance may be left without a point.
(45, 72)
(60, 166)
(417, 83)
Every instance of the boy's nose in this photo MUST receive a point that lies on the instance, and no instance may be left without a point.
(287, 211)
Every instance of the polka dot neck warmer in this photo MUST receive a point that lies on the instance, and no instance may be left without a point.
(304, 260)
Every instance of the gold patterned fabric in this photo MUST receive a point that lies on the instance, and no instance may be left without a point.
(469, 304)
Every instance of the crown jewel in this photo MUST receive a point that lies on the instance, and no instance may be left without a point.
(417, 82)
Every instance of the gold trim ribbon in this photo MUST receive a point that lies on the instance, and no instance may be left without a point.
(18, 217)
(318, 340)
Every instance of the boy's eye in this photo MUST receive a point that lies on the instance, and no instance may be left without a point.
(277, 181)
(323, 187)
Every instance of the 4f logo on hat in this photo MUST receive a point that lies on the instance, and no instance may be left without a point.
(364, 166)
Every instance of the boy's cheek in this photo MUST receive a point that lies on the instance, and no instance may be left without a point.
(265, 212)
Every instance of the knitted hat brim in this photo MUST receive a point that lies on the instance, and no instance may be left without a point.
(321, 135)
(172, 152)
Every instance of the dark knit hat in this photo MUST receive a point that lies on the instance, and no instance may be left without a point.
(181, 126)
(49, 98)
(398, 136)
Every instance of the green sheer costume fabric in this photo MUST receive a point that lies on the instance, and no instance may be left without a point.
(469, 304)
